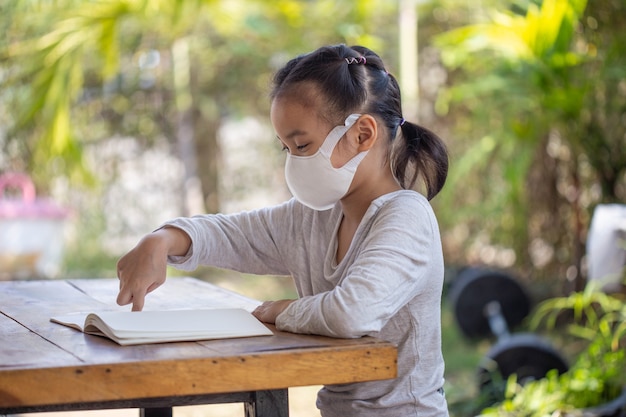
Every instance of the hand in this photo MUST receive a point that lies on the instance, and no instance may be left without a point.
(144, 268)
(269, 310)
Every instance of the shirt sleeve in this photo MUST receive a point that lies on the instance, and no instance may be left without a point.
(244, 242)
(400, 260)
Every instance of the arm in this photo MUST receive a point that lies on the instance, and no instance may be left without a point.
(144, 268)
(250, 241)
(398, 262)
(246, 242)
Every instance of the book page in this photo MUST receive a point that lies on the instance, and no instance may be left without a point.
(162, 326)
(74, 320)
(213, 322)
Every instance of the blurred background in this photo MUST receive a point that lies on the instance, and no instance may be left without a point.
(116, 115)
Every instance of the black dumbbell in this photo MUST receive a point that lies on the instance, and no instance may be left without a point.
(490, 303)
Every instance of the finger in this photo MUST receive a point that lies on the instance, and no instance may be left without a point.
(124, 297)
(259, 312)
(130, 293)
(138, 303)
(153, 287)
(138, 296)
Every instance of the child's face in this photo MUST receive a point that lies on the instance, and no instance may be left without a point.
(297, 127)
(301, 131)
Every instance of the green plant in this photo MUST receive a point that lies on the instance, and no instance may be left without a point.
(595, 315)
(597, 375)
(533, 91)
(596, 378)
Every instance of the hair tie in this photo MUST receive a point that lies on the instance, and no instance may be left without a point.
(402, 121)
(359, 60)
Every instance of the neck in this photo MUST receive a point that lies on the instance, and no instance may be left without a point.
(355, 204)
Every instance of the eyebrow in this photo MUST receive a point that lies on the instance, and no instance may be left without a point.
(295, 133)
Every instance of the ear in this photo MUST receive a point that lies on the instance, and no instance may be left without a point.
(366, 132)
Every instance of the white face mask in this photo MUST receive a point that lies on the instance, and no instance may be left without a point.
(313, 180)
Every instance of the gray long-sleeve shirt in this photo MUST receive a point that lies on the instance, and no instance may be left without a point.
(388, 286)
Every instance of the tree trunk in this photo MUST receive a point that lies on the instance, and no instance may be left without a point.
(192, 192)
(207, 122)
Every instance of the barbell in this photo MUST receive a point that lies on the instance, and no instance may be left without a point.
(489, 303)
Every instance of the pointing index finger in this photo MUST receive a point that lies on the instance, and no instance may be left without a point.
(138, 303)
(129, 295)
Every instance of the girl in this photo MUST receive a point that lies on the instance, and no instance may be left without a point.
(363, 249)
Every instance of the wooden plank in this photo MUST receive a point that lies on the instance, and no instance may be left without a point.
(56, 296)
(32, 303)
(19, 347)
(282, 341)
(264, 371)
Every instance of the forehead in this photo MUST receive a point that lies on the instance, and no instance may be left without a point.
(287, 108)
(301, 99)
(290, 111)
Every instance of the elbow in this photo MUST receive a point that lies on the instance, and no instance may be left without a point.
(347, 326)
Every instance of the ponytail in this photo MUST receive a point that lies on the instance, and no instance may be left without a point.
(420, 154)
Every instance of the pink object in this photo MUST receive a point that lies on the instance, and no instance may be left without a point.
(31, 230)
(27, 206)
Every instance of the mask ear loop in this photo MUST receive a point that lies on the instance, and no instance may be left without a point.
(353, 164)
(350, 120)
(337, 133)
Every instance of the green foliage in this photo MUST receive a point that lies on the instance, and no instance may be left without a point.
(596, 315)
(73, 53)
(596, 377)
(542, 36)
(48, 70)
(515, 84)
(531, 89)
(523, 62)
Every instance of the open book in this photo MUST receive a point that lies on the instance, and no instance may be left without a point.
(134, 328)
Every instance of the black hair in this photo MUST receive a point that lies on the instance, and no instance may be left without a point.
(354, 80)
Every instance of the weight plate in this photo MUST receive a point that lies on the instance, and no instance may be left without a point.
(526, 355)
(474, 288)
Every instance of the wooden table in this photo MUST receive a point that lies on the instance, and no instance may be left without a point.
(49, 367)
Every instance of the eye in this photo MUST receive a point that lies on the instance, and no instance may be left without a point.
(302, 147)
(282, 145)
